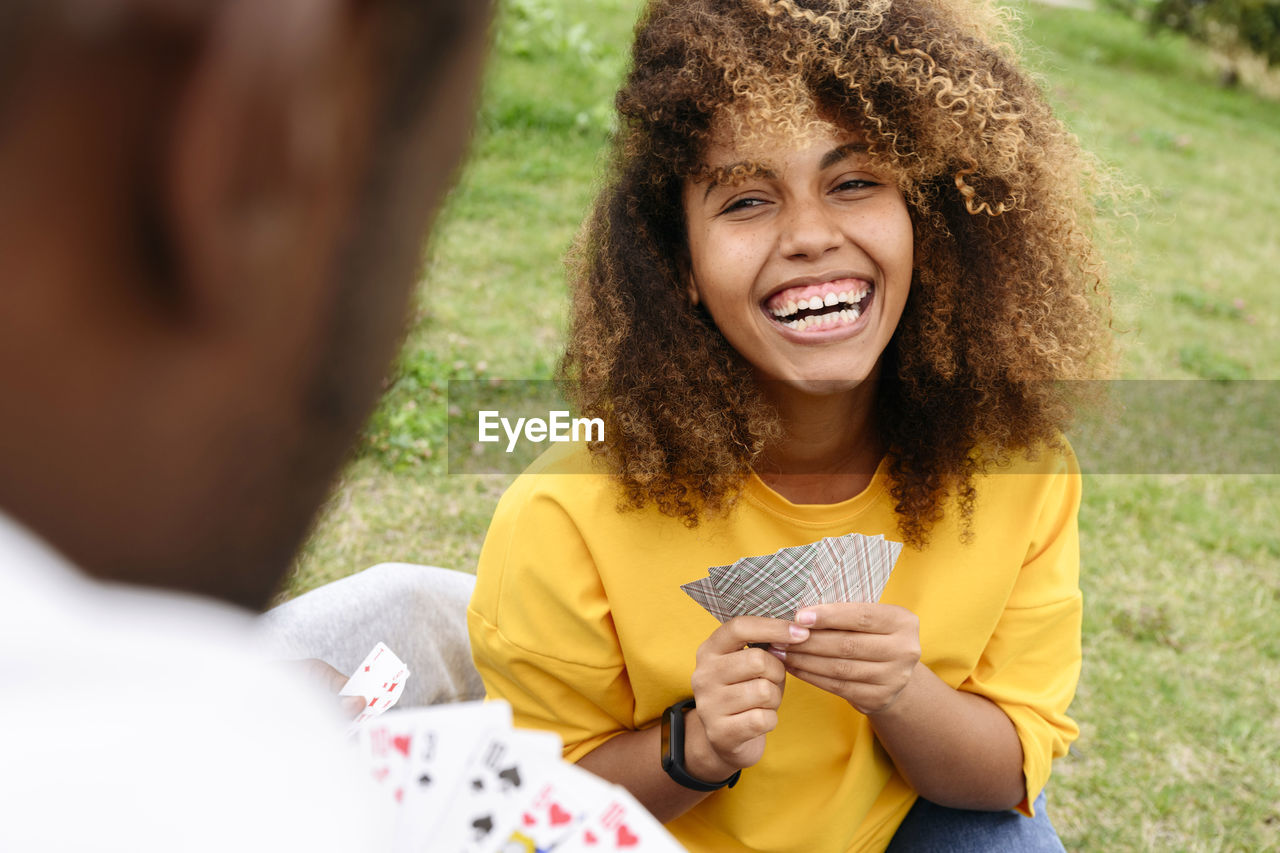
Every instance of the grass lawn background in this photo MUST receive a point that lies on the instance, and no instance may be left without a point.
(1180, 748)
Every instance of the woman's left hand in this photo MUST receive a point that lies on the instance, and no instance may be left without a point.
(864, 653)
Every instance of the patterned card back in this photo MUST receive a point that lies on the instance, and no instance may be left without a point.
(853, 567)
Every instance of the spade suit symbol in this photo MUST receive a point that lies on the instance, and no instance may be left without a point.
(483, 826)
(511, 776)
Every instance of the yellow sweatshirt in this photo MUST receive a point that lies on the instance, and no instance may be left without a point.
(578, 621)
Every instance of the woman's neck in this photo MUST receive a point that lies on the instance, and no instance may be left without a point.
(830, 448)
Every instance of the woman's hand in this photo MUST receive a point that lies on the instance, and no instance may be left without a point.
(864, 653)
(738, 690)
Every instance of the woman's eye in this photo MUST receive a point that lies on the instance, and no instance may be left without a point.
(742, 204)
(854, 184)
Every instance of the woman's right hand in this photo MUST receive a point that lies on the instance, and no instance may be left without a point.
(737, 689)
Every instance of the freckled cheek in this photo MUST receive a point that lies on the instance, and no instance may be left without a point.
(896, 241)
(728, 266)
(741, 255)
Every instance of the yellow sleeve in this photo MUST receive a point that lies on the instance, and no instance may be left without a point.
(1031, 664)
(541, 630)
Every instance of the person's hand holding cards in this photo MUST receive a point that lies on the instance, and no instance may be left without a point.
(864, 653)
(737, 688)
(378, 681)
(840, 640)
(331, 681)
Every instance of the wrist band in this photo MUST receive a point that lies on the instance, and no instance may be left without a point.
(673, 751)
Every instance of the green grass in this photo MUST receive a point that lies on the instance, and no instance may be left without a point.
(1178, 703)
(1180, 747)
(1194, 284)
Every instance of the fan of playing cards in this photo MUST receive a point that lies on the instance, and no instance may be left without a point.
(458, 778)
(840, 568)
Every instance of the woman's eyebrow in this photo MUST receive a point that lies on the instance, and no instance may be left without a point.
(732, 172)
(720, 176)
(835, 155)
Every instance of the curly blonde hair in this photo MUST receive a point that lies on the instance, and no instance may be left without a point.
(1007, 293)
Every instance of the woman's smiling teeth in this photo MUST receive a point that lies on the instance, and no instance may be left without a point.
(819, 306)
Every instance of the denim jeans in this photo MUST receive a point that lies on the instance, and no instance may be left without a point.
(930, 828)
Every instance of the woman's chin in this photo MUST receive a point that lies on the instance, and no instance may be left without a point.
(824, 385)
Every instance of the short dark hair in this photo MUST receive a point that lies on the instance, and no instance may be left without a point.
(421, 34)
(18, 23)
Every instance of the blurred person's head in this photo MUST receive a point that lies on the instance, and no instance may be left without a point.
(212, 216)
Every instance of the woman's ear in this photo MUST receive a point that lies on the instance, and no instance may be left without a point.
(265, 149)
(691, 287)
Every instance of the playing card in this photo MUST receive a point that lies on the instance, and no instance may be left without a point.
(853, 567)
(703, 592)
(444, 738)
(385, 746)
(621, 824)
(565, 797)
(725, 586)
(379, 679)
(828, 565)
(770, 584)
(874, 558)
(834, 574)
(495, 783)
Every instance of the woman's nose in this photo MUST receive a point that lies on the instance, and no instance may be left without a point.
(808, 230)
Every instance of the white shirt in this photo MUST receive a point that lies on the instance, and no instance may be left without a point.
(138, 720)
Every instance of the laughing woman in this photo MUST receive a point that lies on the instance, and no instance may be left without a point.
(841, 255)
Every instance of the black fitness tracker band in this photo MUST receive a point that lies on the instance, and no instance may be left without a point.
(673, 751)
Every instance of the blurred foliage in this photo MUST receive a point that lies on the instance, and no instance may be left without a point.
(536, 31)
(1231, 26)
